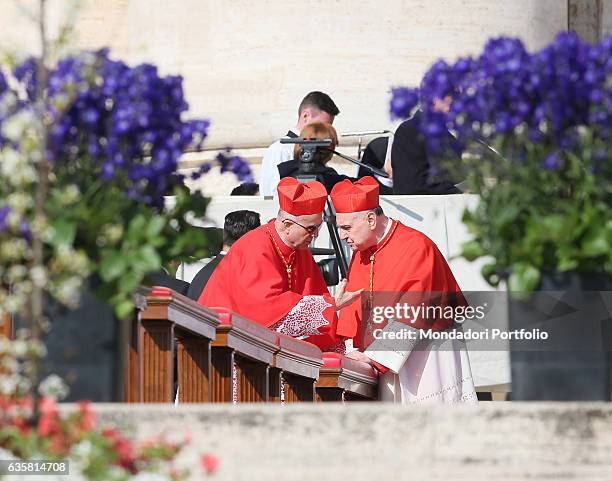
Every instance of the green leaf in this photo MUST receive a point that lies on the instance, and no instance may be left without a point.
(507, 216)
(137, 226)
(64, 232)
(124, 308)
(112, 266)
(130, 281)
(146, 260)
(567, 264)
(155, 226)
(595, 244)
(553, 226)
(472, 250)
(489, 272)
(523, 278)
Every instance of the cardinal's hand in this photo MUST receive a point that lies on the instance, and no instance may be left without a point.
(343, 297)
(359, 356)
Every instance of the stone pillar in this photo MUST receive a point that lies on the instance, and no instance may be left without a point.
(585, 17)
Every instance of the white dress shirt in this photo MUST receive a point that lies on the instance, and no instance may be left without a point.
(274, 155)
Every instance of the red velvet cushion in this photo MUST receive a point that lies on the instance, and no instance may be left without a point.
(225, 315)
(160, 291)
(334, 360)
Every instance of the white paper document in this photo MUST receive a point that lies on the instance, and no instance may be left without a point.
(390, 348)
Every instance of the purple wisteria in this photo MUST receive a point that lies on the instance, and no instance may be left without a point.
(506, 91)
(4, 212)
(124, 123)
(3, 87)
(403, 101)
(234, 163)
(228, 163)
(2, 84)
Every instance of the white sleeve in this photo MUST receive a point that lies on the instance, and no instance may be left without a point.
(274, 155)
(304, 319)
(390, 351)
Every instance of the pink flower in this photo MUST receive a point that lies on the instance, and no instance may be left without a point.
(125, 451)
(210, 463)
(123, 448)
(49, 419)
(88, 417)
(47, 405)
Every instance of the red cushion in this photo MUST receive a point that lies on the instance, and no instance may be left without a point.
(333, 360)
(225, 315)
(160, 291)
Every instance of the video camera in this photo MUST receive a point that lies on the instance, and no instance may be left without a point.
(307, 170)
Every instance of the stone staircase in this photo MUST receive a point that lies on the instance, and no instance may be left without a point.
(376, 441)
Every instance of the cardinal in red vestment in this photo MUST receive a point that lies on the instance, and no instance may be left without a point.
(270, 277)
(405, 265)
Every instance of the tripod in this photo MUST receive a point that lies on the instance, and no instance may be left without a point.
(307, 172)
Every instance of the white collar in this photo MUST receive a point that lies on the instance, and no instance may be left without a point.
(388, 228)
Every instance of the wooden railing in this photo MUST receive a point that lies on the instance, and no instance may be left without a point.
(295, 370)
(6, 326)
(170, 341)
(242, 355)
(214, 355)
(344, 379)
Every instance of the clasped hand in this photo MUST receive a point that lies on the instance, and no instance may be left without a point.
(343, 297)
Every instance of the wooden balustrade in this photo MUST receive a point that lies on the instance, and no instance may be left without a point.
(215, 355)
(168, 321)
(344, 379)
(295, 370)
(242, 354)
(6, 326)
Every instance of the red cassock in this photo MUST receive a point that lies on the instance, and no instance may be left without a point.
(252, 280)
(405, 261)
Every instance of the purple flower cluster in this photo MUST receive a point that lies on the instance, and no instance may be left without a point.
(27, 73)
(234, 163)
(228, 163)
(4, 212)
(123, 123)
(2, 84)
(506, 92)
(403, 101)
(3, 88)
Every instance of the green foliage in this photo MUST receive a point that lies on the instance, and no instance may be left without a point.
(124, 239)
(533, 219)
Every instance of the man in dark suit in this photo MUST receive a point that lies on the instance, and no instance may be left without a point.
(375, 154)
(411, 164)
(235, 225)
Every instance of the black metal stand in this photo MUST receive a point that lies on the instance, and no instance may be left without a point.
(330, 221)
(307, 172)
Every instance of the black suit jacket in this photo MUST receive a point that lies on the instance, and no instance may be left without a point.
(374, 154)
(326, 175)
(164, 280)
(410, 161)
(201, 278)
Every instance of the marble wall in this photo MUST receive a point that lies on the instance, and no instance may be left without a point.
(247, 64)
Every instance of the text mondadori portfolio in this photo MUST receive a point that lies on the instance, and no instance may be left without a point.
(468, 335)
(404, 313)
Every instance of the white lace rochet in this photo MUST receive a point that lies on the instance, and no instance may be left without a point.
(305, 319)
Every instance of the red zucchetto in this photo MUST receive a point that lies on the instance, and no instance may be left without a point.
(355, 196)
(298, 198)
